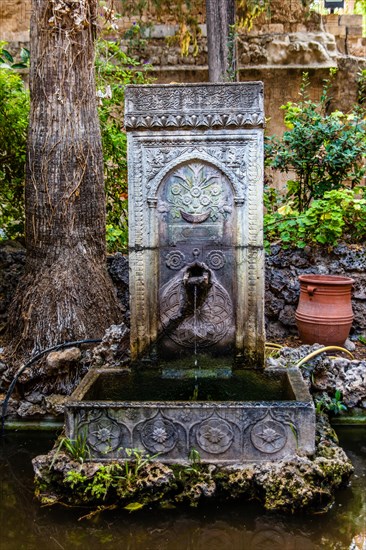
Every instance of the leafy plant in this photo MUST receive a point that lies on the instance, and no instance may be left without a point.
(361, 84)
(329, 404)
(138, 460)
(339, 215)
(103, 479)
(324, 150)
(14, 112)
(194, 458)
(362, 339)
(114, 70)
(77, 448)
(7, 61)
(75, 478)
(188, 29)
(249, 10)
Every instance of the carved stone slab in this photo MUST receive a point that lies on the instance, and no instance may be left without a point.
(195, 168)
(195, 105)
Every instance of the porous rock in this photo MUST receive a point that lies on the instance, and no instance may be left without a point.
(27, 409)
(55, 404)
(327, 374)
(114, 350)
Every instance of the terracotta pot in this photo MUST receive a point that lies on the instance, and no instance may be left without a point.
(324, 314)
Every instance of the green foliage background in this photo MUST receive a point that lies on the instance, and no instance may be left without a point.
(325, 202)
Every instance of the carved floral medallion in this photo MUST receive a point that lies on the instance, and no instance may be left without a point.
(268, 436)
(215, 435)
(159, 435)
(104, 435)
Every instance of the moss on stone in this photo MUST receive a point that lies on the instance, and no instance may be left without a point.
(291, 486)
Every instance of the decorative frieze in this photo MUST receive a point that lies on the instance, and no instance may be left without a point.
(195, 106)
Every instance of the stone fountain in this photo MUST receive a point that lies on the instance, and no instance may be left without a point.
(197, 378)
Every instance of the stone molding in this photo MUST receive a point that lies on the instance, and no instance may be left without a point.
(195, 106)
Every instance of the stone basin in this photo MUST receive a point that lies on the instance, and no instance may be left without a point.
(250, 416)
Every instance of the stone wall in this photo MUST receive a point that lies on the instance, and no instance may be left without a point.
(279, 48)
(347, 30)
(281, 290)
(14, 20)
(282, 287)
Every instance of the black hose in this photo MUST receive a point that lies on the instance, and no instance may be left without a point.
(29, 363)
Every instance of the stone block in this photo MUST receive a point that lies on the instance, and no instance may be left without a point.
(275, 28)
(300, 28)
(350, 20)
(335, 29)
(354, 31)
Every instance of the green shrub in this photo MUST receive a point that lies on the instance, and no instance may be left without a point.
(14, 113)
(325, 151)
(114, 70)
(339, 215)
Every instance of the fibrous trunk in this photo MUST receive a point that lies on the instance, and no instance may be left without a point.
(66, 293)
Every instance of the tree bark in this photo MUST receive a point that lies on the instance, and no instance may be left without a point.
(66, 293)
(220, 18)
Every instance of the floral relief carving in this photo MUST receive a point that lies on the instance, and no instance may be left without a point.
(215, 259)
(268, 436)
(159, 435)
(195, 192)
(215, 435)
(104, 435)
(175, 259)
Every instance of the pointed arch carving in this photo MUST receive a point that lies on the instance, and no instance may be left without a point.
(194, 156)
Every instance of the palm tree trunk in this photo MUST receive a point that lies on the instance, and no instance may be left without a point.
(65, 293)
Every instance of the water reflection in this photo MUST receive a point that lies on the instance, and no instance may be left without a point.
(24, 524)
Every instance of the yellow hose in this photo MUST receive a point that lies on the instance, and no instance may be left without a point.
(321, 350)
(273, 345)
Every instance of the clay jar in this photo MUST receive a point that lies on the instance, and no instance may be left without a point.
(324, 314)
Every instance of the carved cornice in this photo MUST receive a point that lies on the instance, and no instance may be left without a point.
(238, 105)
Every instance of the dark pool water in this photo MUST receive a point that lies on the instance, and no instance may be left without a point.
(25, 525)
(244, 385)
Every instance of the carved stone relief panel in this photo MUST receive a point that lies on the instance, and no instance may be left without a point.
(196, 240)
(195, 188)
(195, 105)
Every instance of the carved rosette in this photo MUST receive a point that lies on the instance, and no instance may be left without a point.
(268, 436)
(159, 435)
(215, 259)
(175, 259)
(104, 435)
(215, 435)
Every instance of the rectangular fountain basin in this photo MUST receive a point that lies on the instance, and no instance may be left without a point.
(250, 417)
